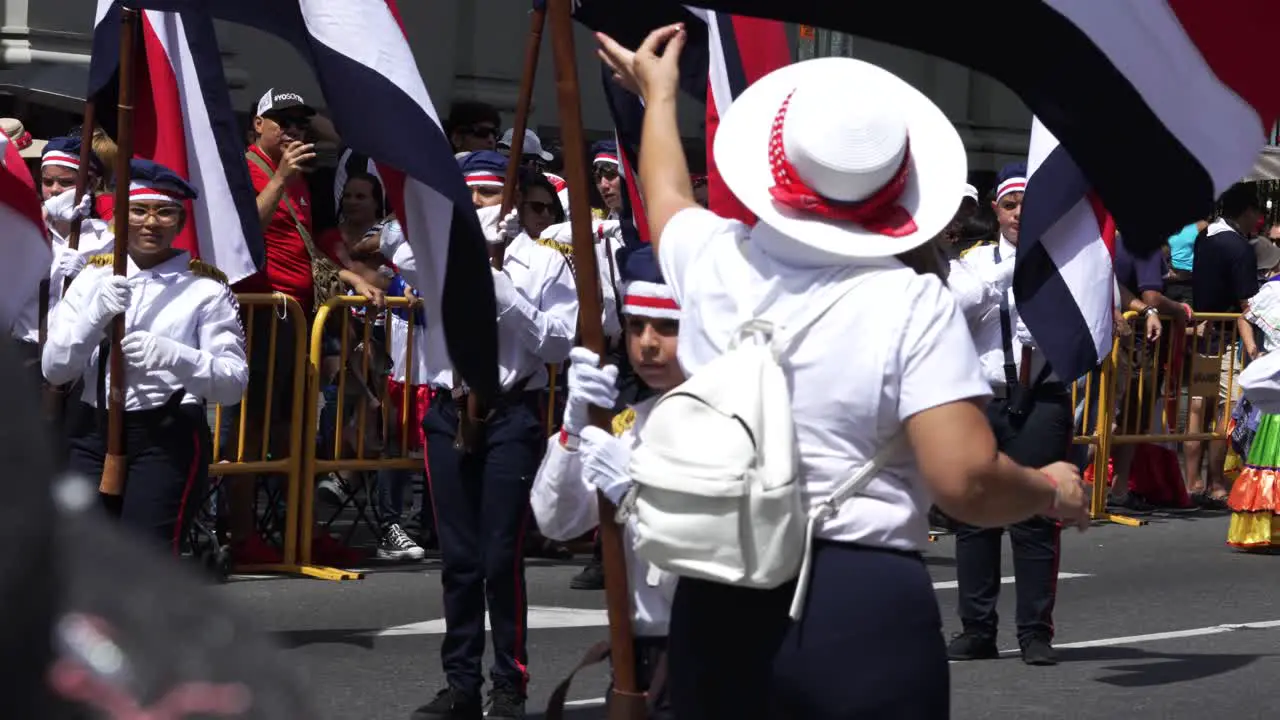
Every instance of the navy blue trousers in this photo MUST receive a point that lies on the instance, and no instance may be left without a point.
(167, 452)
(868, 647)
(481, 503)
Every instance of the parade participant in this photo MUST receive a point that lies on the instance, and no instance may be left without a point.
(583, 459)
(1254, 500)
(183, 347)
(1032, 419)
(607, 173)
(486, 173)
(837, 194)
(58, 168)
(532, 154)
(481, 492)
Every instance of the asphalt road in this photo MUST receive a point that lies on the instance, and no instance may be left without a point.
(1162, 621)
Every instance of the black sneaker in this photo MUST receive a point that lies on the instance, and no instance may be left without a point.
(591, 578)
(972, 646)
(1038, 651)
(396, 545)
(505, 703)
(1129, 505)
(450, 704)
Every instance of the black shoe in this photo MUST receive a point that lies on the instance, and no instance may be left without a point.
(1038, 651)
(591, 578)
(1129, 505)
(505, 703)
(450, 704)
(972, 646)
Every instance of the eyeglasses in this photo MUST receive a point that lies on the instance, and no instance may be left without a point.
(539, 207)
(605, 172)
(166, 215)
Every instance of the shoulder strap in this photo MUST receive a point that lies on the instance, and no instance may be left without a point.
(256, 159)
(1006, 332)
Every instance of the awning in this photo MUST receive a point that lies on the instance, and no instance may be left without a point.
(1266, 166)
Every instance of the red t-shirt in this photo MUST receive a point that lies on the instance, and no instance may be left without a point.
(288, 267)
(328, 243)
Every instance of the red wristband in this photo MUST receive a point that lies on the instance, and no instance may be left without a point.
(567, 441)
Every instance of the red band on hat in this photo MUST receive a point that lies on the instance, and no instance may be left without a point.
(23, 141)
(606, 157)
(879, 213)
(153, 191)
(485, 178)
(650, 302)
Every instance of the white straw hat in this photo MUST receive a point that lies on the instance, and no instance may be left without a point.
(28, 147)
(850, 137)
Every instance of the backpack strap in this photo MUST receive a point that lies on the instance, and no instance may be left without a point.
(827, 508)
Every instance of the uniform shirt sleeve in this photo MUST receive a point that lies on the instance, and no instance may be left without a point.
(548, 328)
(564, 504)
(937, 360)
(977, 288)
(217, 370)
(684, 238)
(71, 341)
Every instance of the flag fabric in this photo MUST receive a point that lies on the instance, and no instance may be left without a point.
(182, 119)
(380, 106)
(1159, 102)
(627, 111)
(1063, 277)
(28, 255)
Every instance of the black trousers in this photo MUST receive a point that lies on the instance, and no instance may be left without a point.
(167, 454)
(868, 647)
(481, 503)
(1041, 438)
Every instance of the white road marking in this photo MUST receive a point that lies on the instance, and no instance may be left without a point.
(1007, 580)
(1104, 642)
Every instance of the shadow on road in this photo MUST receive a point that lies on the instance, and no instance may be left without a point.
(1156, 668)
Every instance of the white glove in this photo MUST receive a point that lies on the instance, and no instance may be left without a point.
(69, 262)
(509, 226)
(63, 207)
(604, 462)
(147, 350)
(504, 292)
(589, 385)
(110, 298)
(611, 229)
(490, 224)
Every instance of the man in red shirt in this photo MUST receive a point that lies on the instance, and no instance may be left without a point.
(277, 161)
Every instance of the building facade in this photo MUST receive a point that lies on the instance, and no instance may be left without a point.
(472, 49)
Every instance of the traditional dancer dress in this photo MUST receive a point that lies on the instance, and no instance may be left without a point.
(1255, 496)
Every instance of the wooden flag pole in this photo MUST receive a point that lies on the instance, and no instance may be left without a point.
(627, 702)
(532, 48)
(113, 467)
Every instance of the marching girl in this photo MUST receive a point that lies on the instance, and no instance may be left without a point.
(183, 347)
(1254, 500)
(583, 459)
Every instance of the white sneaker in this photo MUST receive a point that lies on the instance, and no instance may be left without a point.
(396, 545)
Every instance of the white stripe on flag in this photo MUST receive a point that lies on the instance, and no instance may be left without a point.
(218, 229)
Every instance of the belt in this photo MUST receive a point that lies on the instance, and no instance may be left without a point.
(505, 398)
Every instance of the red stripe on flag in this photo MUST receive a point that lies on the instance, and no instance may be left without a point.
(18, 189)
(1234, 60)
(1106, 223)
(159, 132)
(632, 183)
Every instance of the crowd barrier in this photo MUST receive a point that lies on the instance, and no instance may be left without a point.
(1179, 388)
(1142, 392)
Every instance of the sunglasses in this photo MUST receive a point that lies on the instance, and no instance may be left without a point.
(482, 131)
(605, 172)
(288, 122)
(540, 208)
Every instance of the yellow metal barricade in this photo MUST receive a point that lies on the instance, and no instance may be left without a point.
(1149, 390)
(334, 458)
(264, 462)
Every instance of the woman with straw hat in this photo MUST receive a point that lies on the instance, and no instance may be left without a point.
(846, 166)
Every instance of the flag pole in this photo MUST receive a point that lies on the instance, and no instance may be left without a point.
(113, 466)
(627, 702)
(532, 48)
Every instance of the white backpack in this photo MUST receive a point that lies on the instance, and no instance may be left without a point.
(716, 494)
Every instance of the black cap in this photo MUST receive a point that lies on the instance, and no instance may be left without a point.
(275, 101)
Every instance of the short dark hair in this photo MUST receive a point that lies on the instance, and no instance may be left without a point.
(529, 179)
(1239, 199)
(467, 113)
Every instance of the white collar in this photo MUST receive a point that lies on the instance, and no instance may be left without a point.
(1218, 226)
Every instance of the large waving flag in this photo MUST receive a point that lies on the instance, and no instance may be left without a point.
(1161, 88)
(27, 253)
(182, 119)
(380, 106)
(1063, 277)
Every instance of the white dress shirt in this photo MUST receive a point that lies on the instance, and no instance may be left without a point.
(894, 346)
(170, 301)
(95, 237)
(566, 507)
(984, 314)
(536, 331)
(608, 241)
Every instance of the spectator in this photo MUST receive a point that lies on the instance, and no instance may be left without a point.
(472, 126)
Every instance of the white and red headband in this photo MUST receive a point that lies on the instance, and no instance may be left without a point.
(484, 178)
(605, 157)
(1011, 185)
(57, 158)
(146, 191)
(650, 299)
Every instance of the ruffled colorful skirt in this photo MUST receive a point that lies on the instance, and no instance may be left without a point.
(1255, 497)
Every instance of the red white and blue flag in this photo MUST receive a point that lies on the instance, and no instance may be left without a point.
(27, 254)
(381, 108)
(182, 119)
(1160, 102)
(1063, 276)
